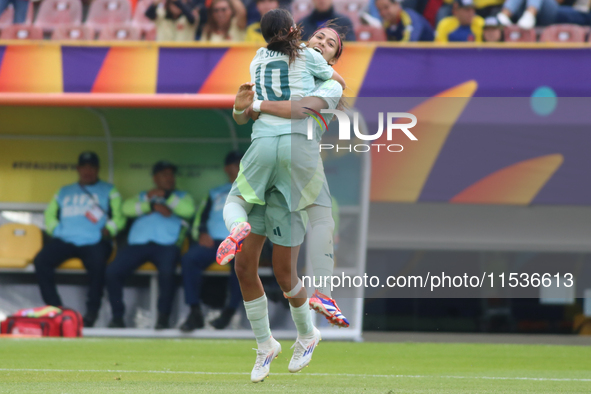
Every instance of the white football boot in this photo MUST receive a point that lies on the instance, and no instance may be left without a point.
(302, 351)
(266, 353)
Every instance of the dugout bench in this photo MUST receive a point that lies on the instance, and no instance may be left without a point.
(20, 243)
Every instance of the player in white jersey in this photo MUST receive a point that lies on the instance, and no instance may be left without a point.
(284, 70)
(327, 94)
(278, 210)
(269, 166)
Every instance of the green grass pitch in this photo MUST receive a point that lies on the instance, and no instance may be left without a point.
(223, 366)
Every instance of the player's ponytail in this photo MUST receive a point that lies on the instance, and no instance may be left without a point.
(281, 34)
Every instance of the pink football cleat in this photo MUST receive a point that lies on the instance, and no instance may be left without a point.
(232, 244)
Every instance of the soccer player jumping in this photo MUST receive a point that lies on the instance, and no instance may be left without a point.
(266, 166)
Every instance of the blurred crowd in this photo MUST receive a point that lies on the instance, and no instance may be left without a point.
(238, 20)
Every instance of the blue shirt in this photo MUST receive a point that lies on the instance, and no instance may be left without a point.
(412, 26)
(153, 227)
(215, 225)
(76, 205)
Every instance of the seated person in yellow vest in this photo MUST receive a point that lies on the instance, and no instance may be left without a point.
(253, 31)
(484, 8)
(226, 21)
(209, 229)
(81, 219)
(159, 229)
(403, 24)
(463, 26)
(174, 20)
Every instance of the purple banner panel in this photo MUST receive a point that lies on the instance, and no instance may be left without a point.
(183, 70)
(2, 50)
(81, 66)
(425, 72)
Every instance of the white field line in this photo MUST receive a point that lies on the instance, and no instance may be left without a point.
(352, 375)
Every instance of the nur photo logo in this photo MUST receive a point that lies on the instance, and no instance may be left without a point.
(346, 135)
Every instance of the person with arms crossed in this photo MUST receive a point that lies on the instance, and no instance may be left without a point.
(156, 235)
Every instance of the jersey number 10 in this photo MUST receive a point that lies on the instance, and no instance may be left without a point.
(268, 81)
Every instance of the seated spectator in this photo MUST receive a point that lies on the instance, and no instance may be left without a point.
(81, 219)
(324, 12)
(210, 230)
(174, 20)
(21, 7)
(253, 31)
(492, 31)
(156, 235)
(226, 21)
(540, 13)
(403, 24)
(463, 26)
(484, 8)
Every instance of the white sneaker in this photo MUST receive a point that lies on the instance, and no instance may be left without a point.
(266, 353)
(302, 352)
(504, 19)
(527, 21)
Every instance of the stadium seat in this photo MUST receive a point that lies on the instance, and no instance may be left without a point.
(301, 9)
(370, 33)
(21, 32)
(516, 34)
(7, 16)
(67, 32)
(120, 33)
(213, 267)
(54, 13)
(564, 33)
(19, 244)
(72, 264)
(146, 26)
(76, 264)
(108, 12)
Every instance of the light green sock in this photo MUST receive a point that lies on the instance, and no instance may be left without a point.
(235, 211)
(258, 315)
(302, 318)
(321, 247)
(322, 281)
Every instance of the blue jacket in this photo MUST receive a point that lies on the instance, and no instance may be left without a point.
(77, 214)
(151, 226)
(210, 218)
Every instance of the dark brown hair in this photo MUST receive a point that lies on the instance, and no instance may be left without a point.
(281, 34)
(211, 25)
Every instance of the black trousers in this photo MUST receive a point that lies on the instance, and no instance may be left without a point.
(94, 257)
(164, 257)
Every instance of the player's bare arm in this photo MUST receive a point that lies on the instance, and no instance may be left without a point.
(243, 101)
(337, 77)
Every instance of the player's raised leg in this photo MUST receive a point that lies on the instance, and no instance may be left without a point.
(255, 303)
(322, 256)
(235, 216)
